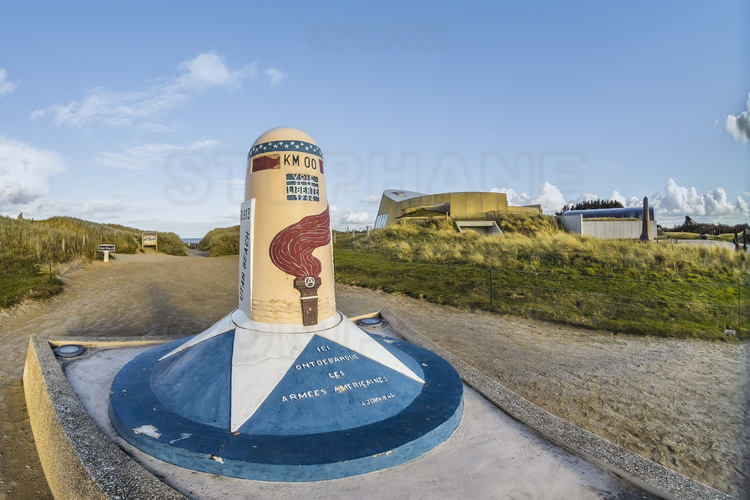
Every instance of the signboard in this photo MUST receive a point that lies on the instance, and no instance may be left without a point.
(149, 240)
(106, 248)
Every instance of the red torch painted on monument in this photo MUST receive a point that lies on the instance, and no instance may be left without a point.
(291, 251)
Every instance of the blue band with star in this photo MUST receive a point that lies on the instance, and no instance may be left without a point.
(285, 147)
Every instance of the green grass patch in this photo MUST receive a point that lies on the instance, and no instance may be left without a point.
(682, 236)
(729, 237)
(623, 286)
(16, 288)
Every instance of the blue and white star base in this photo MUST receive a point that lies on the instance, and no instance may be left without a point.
(286, 402)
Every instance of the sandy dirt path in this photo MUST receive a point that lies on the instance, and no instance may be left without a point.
(680, 403)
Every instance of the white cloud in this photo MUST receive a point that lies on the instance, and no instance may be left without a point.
(742, 207)
(157, 128)
(144, 107)
(142, 156)
(204, 144)
(137, 157)
(679, 201)
(675, 203)
(358, 217)
(235, 183)
(587, 197)
(626, 202)
(209, 70)
(275, 76)
(550, 198)
(107, 209)
(717, 203)
(114, 109)
(513, 197)
(111, 210)
(739, 126)
(372, 199)
(344, 188)
(6, 87)
(24, 171)
(340, 218)
(615, 196)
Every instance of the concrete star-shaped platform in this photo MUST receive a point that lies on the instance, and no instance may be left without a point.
(263, 354)
(253, 397)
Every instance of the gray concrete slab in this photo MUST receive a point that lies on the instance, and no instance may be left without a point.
(491, 454)
(78, 460)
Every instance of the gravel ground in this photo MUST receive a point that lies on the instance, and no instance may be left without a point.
(681, 403)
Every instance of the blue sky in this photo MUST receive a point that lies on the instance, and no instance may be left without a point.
(142, 113)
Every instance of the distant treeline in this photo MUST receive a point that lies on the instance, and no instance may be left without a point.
(691, 226)
(590, 205)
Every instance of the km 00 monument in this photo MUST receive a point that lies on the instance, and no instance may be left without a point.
(285, 388)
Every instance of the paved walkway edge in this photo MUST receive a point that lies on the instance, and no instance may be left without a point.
(79, 461)
(646, 474)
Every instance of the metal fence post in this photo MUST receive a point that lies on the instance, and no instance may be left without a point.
(490, 287)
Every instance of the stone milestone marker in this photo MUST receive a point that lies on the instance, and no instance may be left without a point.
(646, 229)
(285, 388)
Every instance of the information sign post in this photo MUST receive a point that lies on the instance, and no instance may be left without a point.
(149, 240)
(105, 249)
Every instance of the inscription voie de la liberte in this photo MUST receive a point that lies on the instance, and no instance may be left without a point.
(302, 187)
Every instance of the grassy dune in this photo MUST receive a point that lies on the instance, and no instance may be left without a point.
(31, 251)
(221, 241)
(658, 289)
(520, 223)
(537, 270)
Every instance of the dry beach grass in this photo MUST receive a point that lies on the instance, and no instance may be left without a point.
(682, 403)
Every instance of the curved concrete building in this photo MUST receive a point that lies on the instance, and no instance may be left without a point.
(397, 203)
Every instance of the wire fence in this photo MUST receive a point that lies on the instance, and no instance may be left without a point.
(691, 306)
(721, 303)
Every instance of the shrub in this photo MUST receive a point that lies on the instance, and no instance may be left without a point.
(221, 241)
(170, 243)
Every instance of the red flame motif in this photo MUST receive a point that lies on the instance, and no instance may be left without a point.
(291, 250)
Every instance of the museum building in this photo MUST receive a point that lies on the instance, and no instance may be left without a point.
(609, 223)
(396, 204)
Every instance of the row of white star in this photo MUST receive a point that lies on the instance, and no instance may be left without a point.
(285, 146)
